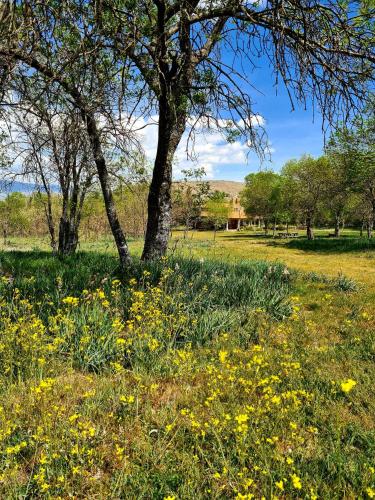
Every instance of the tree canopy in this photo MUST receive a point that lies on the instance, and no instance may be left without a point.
(190, 63)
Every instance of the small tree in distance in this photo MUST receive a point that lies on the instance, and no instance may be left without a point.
(354, 149)
(261, 196)
(309, 177)
(217, 210)
(189, 196)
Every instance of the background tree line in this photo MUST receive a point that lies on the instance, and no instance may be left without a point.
(337, 187)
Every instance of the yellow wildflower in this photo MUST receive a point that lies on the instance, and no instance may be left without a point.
(347, 385)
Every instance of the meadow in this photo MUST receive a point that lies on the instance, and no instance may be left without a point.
(236, 368)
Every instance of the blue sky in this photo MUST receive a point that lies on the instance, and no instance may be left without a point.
(290, 134)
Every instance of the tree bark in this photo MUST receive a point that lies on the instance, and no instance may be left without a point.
(309, 229)
(337, 226)
(370, 226)
(68, 236)
(159, 198)
(50, 223)
(101, 167)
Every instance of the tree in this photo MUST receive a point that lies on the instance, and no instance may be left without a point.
(354, 149)
(217, 210)
(12, 216)
(309, 177)
(76, 62)
(188, 54)
(337, 191)
(261, 196)
(287, 200)
(189, 197)
(47, 134)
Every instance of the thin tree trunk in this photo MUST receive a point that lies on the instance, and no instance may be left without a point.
(309, 229)
(50, 223)
(370, 226)
(337, 226)
(101, 167)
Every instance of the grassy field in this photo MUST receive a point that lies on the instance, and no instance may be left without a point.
(236, 368)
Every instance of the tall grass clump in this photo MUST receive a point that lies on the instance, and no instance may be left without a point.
(118, 323)
(340, 283)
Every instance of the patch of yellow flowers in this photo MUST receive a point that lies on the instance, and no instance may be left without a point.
(234, 416)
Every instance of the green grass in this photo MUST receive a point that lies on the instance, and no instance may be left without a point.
(226, 384)
(333, 245)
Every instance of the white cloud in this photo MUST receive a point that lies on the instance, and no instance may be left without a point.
(210, 149)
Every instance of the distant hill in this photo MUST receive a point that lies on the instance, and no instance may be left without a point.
(20, 187)
(233, 188)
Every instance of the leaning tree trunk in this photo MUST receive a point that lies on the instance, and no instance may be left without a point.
(101, 167)
(159, 198)
(309, 229)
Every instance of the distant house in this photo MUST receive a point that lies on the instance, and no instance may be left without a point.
(236, 216)
(236, 213)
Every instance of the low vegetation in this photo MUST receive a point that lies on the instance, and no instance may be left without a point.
(193, 377)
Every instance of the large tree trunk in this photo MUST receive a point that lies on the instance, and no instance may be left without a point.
(159, 198)
(101, 167)
(68, 236)
(309, 229)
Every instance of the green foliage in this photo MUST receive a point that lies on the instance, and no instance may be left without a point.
(353, 149)
(12, 214)
(309, 178)
(261, 194)
(217, 210)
